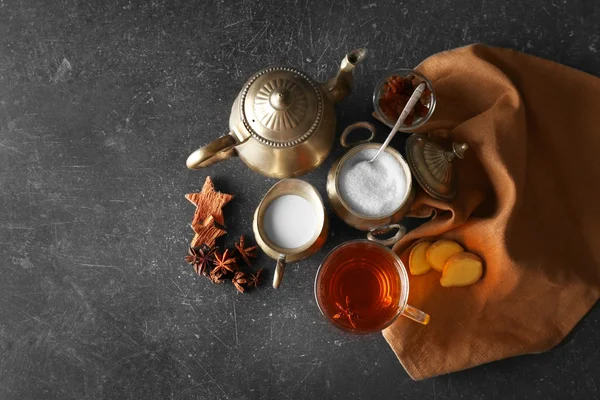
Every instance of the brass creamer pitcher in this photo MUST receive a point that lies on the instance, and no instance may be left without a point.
(282, 123)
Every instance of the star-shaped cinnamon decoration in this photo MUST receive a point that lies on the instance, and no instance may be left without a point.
(208, 202)
(207, 232)
(208, 218)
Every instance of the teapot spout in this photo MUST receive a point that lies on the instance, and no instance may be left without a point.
(340, 86)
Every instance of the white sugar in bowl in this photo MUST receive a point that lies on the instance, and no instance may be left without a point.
(369, 195)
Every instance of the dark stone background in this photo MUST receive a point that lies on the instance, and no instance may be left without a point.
(95, 299)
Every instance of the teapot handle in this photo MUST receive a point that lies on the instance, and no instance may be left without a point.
(219, 150)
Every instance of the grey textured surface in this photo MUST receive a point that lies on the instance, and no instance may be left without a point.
(100, 103)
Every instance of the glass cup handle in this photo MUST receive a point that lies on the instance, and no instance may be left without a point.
(416, 315)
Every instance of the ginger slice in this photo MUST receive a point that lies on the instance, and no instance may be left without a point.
(439, 252)
(417, 261)
(462, 269)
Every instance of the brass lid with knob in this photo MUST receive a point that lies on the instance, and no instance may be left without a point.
(432, 166)
(281, 106)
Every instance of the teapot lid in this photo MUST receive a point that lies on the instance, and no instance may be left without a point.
(281, 106)
(431, 165)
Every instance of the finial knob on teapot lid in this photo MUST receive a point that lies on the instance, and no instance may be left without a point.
(432, 167)
(281, 99)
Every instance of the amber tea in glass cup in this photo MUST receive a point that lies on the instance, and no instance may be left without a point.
(362, 287)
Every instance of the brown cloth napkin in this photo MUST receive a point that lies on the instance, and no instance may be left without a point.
(528, 202)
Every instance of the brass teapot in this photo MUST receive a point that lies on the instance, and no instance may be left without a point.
(282, 122)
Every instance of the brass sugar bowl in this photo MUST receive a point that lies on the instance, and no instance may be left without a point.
(336, 199)
(428, 163)
(282, 122)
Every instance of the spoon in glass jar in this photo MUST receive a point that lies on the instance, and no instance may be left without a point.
(407, 109)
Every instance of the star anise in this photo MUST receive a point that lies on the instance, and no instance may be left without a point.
(201, 258)
(246, 252)
(255, 279)
(217, 275)
(224, 262)
(239, 281)
(345, 312)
